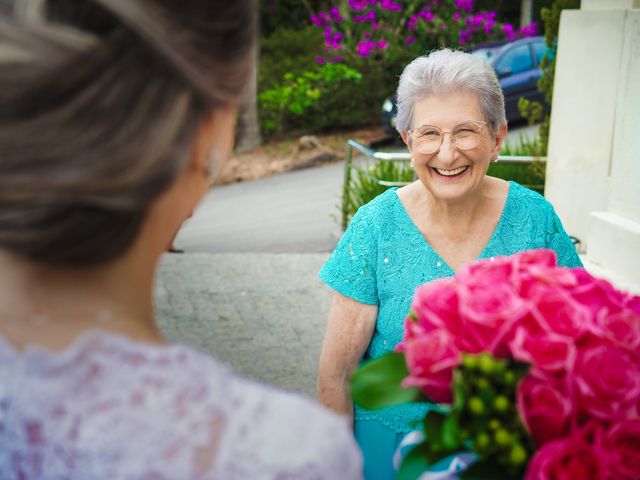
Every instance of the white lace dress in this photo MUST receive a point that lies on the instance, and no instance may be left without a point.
(111, 408)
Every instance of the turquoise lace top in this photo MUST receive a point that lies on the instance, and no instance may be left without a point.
(383, 257)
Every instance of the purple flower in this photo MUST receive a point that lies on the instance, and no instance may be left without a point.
(337, 58)
(357, 5)
(410, 40)
(364, 48)
(411, 24)
(390, 5)
(375, 26)
(529, 30)
(319, 60)
(508, 31)
(465, 36)
(488, 27)
(464, 5)
(382, 44)
(456, 16)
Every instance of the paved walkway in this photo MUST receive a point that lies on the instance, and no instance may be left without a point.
(263, 314)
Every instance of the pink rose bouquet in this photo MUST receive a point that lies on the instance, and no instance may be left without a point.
(535, 367)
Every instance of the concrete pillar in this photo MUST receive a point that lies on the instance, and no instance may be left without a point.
(526, 12)
(593, 172)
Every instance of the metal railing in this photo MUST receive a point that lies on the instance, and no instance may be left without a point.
(395, 157)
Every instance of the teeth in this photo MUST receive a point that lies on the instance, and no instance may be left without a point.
(450, 173)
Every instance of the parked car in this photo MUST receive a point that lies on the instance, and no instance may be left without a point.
(517, 65)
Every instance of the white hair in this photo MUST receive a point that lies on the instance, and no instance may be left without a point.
(446, 71)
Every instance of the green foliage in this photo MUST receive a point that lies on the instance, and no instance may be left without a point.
(377, 383)
(313, 97)
(365, 185)
(285, 51)
(533, 111)
(276, 14)
(494, 432)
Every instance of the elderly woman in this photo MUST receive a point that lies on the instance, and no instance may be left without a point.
(114, 117)
(451, 116)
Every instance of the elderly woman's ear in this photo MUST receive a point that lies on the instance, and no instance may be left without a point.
(501, 134)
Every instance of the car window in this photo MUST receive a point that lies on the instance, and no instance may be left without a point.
(539, 50)
(517, 59)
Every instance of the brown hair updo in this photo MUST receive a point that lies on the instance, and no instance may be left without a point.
(100, 101)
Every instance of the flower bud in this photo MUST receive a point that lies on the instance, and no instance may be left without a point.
(476, 406)
(517, 455)
(501, 403)
(494, 424)
(509, 377)
(486, 363)
(483, 383)
(482, 440)
(502, 437)
(470, 361)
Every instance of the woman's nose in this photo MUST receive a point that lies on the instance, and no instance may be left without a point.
(447, 151)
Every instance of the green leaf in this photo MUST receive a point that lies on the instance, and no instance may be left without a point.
(484, 470)
(450, 439)
(433, 427)
(414, 463)
(377, 383)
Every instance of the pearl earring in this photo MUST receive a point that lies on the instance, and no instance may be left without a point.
(495, 159)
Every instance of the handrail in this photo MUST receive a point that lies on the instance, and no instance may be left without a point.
(398, 156)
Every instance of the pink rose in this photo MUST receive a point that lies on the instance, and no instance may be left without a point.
(607, 380)
(623, 328)
(431, 358)
(622, 444)
(488, 314)
(570, 458)
(545, 408)
(632, 302)
(541, 257)
(547, 351)
(435, 305)
(596, 294)
(487, 272)
(556, 311)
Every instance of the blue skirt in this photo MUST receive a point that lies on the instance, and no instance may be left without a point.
(378, 444)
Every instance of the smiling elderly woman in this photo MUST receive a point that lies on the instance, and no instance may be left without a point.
(451, 116)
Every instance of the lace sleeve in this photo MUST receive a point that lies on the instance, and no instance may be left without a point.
(110, 408)
(278, 435)
(559, 241)
(351, 269)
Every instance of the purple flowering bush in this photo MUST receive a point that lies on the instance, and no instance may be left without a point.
(395, 31)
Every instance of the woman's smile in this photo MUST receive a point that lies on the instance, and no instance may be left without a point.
(453, 173)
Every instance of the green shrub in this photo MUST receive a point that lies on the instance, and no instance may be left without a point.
(314, 100)
(364, 185)
(287, 51)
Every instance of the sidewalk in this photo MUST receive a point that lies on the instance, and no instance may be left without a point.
(261, 313)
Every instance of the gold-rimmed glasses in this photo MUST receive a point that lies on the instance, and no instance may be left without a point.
(465, 136)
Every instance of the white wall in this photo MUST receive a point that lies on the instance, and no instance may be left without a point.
(593, 171)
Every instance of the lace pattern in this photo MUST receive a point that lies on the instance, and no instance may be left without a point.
(383, 257)
(111, 408)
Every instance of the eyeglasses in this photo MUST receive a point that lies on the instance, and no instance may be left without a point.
(428, 138)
